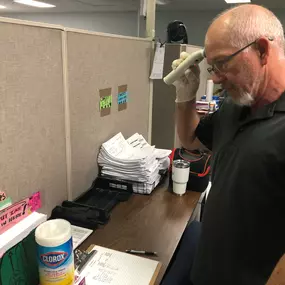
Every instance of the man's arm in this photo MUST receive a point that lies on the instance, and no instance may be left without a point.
(187, 118)
(187, 121)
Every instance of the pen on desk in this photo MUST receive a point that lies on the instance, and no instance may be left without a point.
(150, 253)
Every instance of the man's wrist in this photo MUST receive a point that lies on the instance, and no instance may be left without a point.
(182, 99)
(186, 104)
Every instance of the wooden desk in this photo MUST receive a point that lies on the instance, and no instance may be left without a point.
(278, 275)
(153, 222)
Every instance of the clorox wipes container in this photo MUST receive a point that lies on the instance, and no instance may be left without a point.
(55, 253)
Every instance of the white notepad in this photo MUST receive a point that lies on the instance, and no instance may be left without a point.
(79, 235)
(118, 268)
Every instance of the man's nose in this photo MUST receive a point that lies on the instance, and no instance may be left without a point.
(218, 78)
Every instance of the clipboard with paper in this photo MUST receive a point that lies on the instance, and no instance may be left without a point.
(113, 267)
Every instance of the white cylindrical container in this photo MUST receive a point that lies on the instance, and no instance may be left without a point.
(180, 176)
(209, 90)
(55, 253)
(194, 58)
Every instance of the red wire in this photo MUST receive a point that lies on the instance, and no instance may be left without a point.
(206, 169)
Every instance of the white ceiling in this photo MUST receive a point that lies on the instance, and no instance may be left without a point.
(71, 6)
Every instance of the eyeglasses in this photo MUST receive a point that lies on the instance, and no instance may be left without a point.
(218, 66)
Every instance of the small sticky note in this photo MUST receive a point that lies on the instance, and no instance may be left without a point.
(123, 97)
(106, 102)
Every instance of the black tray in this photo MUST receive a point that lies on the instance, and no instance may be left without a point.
(102, 197)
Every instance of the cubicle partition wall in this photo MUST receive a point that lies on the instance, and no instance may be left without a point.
(32, 140)
(163, 112)
(51, 127)
(99, 63)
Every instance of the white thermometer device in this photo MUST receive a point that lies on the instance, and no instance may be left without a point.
(193, 59)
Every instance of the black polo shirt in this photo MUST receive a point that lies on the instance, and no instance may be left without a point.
(243, 230)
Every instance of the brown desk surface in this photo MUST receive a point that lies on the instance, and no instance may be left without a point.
(148, 222)
(278, 275)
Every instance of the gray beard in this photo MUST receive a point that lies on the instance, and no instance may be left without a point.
(246, 99)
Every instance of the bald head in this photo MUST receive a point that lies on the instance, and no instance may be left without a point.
(244, 24)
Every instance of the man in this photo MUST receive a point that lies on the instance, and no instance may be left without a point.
(243, 234)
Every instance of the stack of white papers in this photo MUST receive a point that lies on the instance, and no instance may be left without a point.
(134, 160)
(162, 155)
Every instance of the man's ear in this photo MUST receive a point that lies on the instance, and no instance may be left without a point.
(263, 49)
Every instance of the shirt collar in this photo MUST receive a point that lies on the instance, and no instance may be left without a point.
(264, 112)
(280, 104)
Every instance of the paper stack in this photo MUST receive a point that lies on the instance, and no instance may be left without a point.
(133, 160)
(162, 155)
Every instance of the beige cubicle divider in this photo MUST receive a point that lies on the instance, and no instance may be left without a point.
(163, 116)
(98, 62)
(32, 130)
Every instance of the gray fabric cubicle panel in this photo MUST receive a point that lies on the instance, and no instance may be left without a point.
(98, 62)
(32, 134)
(163, 120)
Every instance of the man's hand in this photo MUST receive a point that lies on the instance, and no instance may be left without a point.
(187, 86)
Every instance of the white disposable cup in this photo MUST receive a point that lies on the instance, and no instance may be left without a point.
(180, 176)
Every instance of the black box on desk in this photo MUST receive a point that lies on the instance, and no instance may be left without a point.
(93, 207)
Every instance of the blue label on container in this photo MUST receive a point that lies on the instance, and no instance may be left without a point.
(53, 257)
(56, 264)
